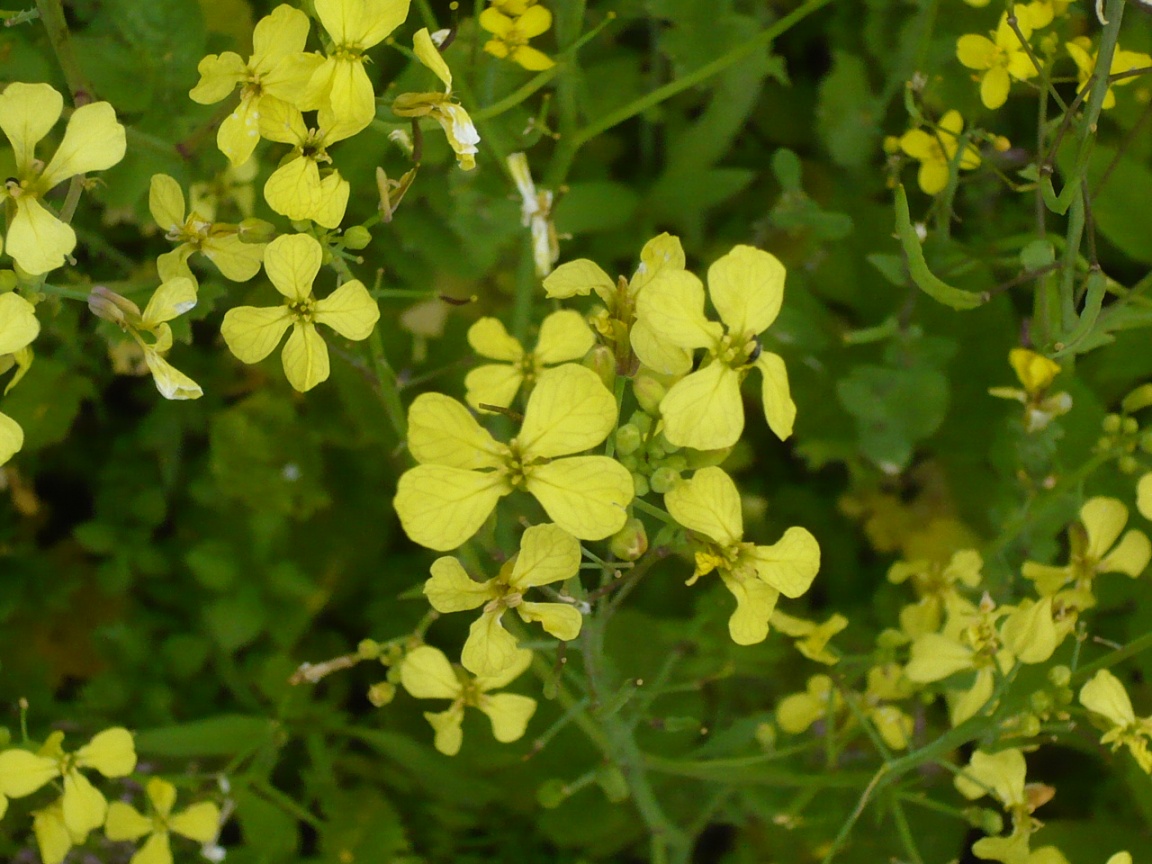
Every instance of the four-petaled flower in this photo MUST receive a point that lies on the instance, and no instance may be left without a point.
(199, 822)
(252, 333)
(1082, 53)
(18, 328)
(1035, 373)
(279, 69)
(936, 150)
(441, 107)
(340, 85)
(426, 674)
(1106, 697)
(999, 59)
(510, 35)
(564, 337)
(464, 471)
(703, 410)
(547, 554)
(708, 505)
(93, 141)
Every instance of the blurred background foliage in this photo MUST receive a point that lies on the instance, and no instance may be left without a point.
(168, 565)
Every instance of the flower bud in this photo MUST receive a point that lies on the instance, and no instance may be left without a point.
(368, 649)
(253, 230)
(627, 439)
(552, 793)
(1130, 426)
(663, 480)
(630, 542)
(357, 237)
(1127, 465)
(113, 307)
(639, 484)
(8, 281)
(1060, 676)
(381, 693)
(987, 820)
(611, 780)
(601, 361)
(649, 392)
(1112, 423)
(1040, 702)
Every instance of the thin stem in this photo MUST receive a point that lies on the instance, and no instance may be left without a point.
(52, 14)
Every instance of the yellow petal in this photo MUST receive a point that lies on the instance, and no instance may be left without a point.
(1104, 519)
(219, 75)
(1130, 556)
(493, 384)
(281, 121)
(935, 657)
(558, 619)
(490, 339)
(520, 663)
(84, 806)
(587, 496)
(754, 604)
(18, 323)
(657, 353)
(428, 54)
(1030, 633)
(37, 240)
(349, 310)
(994, 87)
(662, 252)
(709, 504)
(170, 381)
(1001, 773)
(279, 34)
(52, 835)
(27, 113)
(579, 278)
(351, 104)
(173, 298)
(441, 507)
(305, 357)
(111, 752)
(451, 589)
(166, 203)
(797, 711)
(237, 260)
(93, 141)
(1143, 495)
(156, 850)
(11, 438)
(332, 202)
(294, 189)
(548, 554)
(125, 822)
(496, 22)
(779, 409)
(976, 52)
(1035, 371)
(534, 21)
(564, 336)
(292, 262)
(199, 822)
(162, 794)
(569, 411)
(441, 431)
(673, 305)
(426, 674)
(747, 288)
(704, 410)
(1106, 696)
(509, 713)
(489, 649)
(447, 728)
(789, 565)
(252, 333)
(22, 773)
(933, 177)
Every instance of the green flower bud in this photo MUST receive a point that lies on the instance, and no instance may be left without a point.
(988, 821)
(664, 480)
(639, 484)
(1064, 696)
(552, 793)
(1130, 427)
(1127, 465)
(679, 464)
(1112, 424)
(630, 462)
(656, 453)
(357, 237)
(641, 421)
(630, 542)
(8, 281)
(368, 649)
(255, 230)
(1145, 439)
(649, 392)
(381, 693)
(611, 780)
(1059, 676)
(601, 361)
(627, 439)
(1030, 726)
(1040, 702)
(112, 307)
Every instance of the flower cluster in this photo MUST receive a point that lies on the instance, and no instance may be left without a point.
(512, 23)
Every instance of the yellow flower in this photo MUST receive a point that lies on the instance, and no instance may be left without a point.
(173, 298)
(110, 752)
(1094, 550)
(811, 638)
(93, 141)
(1041, 13)
(1036, 373)
(709, 506)
(511, 35)
(340, 86)
(18, 328)
(279, 69)
(1106, 697)
(296, 188)
(427, 674)
(978, 641)
(935, 151)
(220, 243)
(441, 107)
(535, 214)
(999, 59)
(200, 822)
(53, 837)
(547, 554)
(464, 471)
(617, 322)
(564, 337)
(292, 262)
(233, 184)
(704, 409)
(936, 585)
(820, 699)
(1080, 50)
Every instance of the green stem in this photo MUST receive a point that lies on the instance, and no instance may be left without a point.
(388, 385)
(516, 96)
(1136, 646)
(52, 14)
(571, 144)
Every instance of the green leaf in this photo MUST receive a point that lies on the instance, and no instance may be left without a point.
(226, 735)
(894, 408)
(846, 116)
(236, 621)
(46, 402)
(596, 206)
